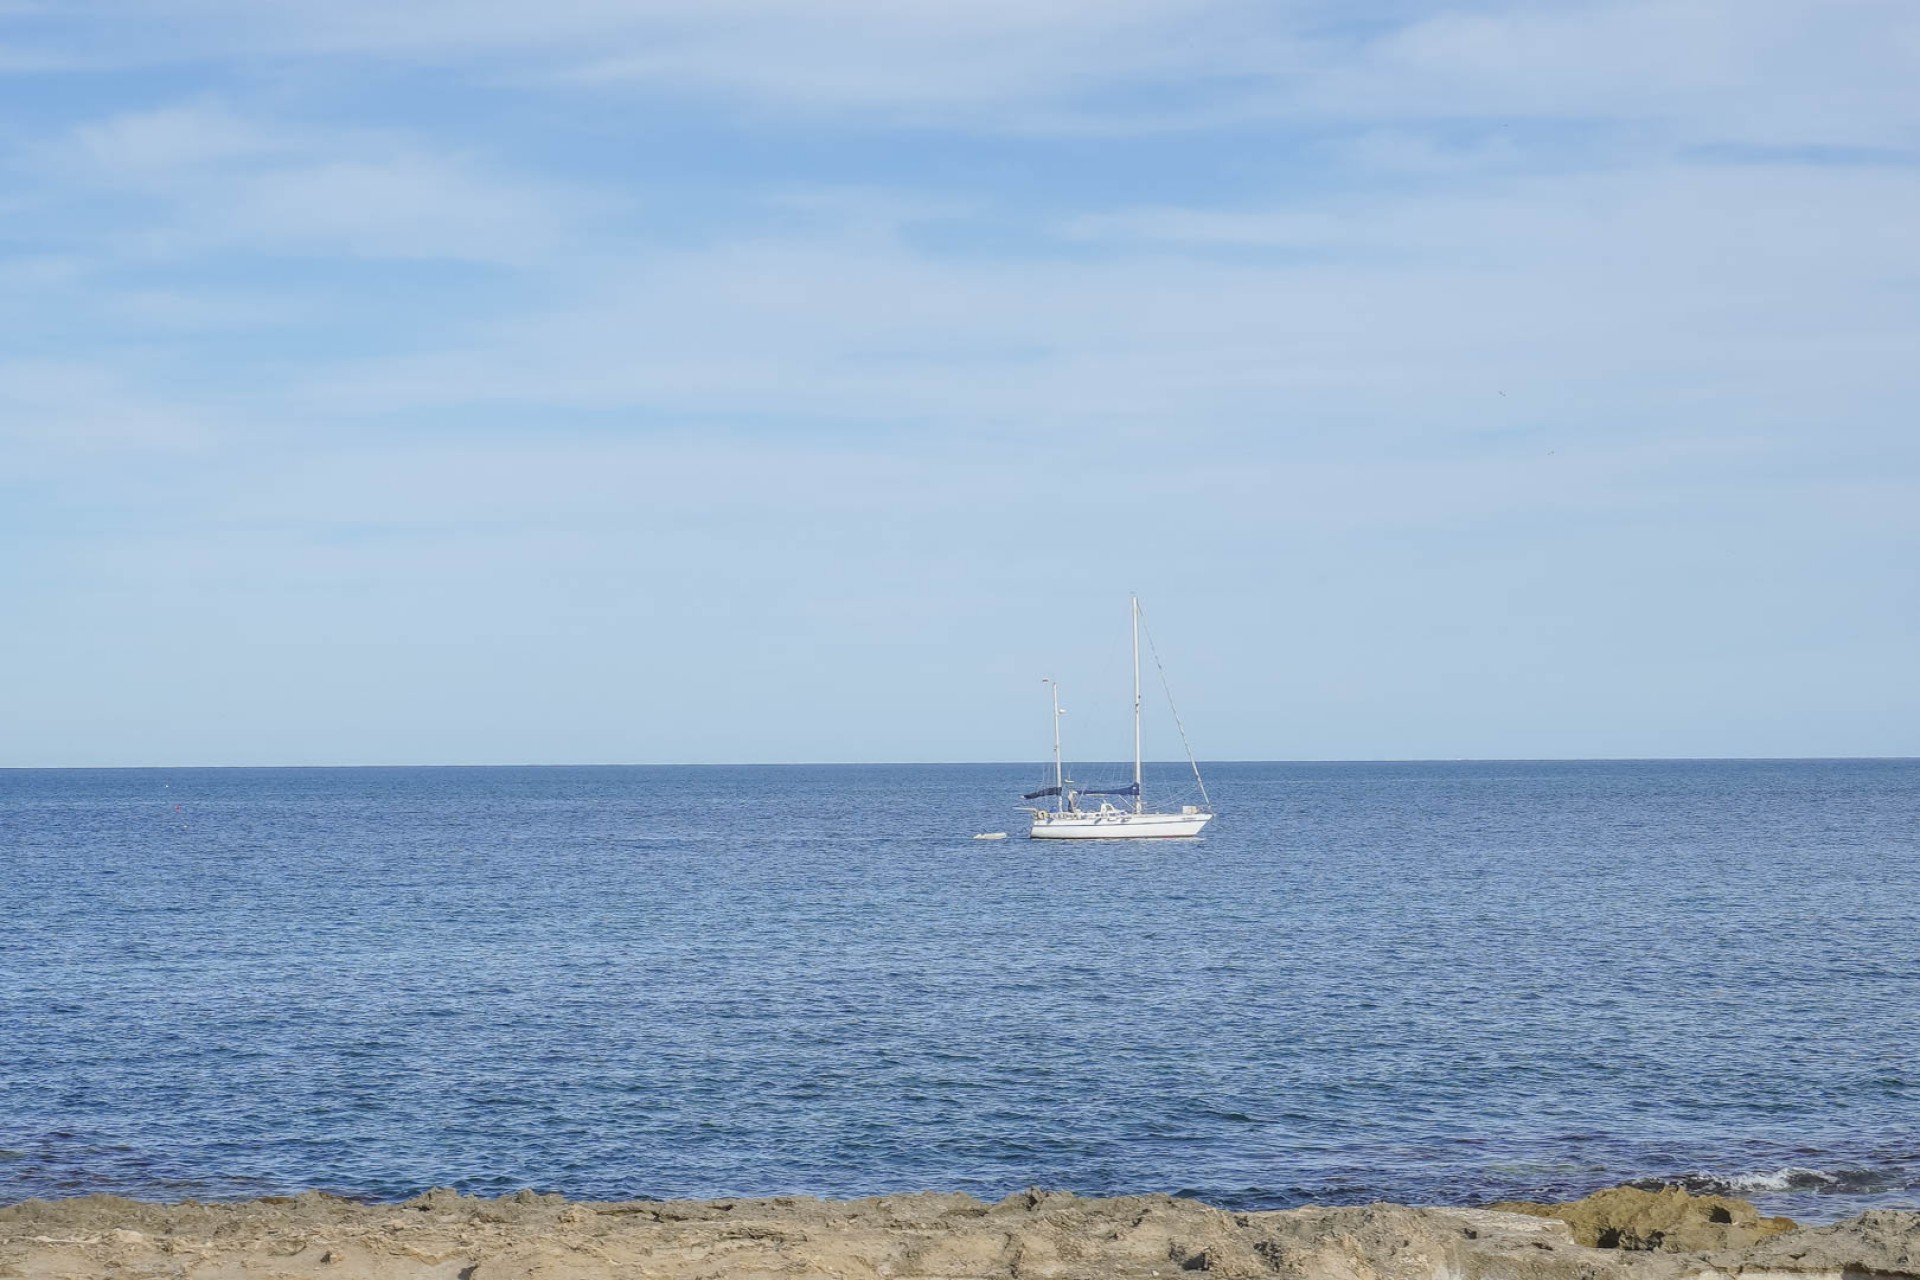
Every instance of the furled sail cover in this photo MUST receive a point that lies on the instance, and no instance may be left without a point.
(1131, 789)
(1044, 791)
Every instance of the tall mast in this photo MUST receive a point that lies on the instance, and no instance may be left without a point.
(1059, 775)
(1137, 798)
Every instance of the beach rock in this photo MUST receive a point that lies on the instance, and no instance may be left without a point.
(1882, 1243)
(1033, 1235)
(440, 1200)
(1668, 1219)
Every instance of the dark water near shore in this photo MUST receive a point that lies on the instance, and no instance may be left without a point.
(1419, 982)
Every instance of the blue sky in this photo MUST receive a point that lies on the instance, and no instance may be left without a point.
(489, 381)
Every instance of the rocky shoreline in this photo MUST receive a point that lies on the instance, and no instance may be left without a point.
(1620, 1234)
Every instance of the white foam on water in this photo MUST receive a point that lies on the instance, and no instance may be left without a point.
(1790, 1178)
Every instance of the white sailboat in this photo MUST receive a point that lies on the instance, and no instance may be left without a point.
(1068, 821)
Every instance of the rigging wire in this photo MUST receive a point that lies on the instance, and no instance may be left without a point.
(1168, 690)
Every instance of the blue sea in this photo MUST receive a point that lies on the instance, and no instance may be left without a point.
(1431, 982)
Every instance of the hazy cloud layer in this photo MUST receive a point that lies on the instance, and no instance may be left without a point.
(1466, 381)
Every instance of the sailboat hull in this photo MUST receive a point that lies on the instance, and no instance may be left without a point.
(1117, 825)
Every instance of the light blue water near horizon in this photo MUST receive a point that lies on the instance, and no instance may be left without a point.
(1425, 982)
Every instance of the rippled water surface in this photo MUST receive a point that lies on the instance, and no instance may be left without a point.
(1424, 982)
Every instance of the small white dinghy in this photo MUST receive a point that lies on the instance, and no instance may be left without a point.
(991, 835)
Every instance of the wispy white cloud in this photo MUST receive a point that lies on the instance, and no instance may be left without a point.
(1216, 228)
(1411, 312)
(1795, 70)
(171, 144)
(832, 53)
(1811, 71)
(212, 178)
(84, 412)
(180, 311)
(994, 62)
(401, 206)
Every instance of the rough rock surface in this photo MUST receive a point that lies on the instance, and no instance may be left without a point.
(1880, 1242)
(1032, 1236)
(1669, 1219)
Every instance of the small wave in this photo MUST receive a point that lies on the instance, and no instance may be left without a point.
(1855, 1181)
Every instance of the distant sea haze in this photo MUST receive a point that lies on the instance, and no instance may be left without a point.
(1438, 982)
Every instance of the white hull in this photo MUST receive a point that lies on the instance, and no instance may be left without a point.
(1117, 824)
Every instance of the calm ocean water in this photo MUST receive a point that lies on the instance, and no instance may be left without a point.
(1418, 982)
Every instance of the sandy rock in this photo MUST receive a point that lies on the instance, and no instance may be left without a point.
(1669, 1219)
(1035, 1235)
(1880, 1243)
